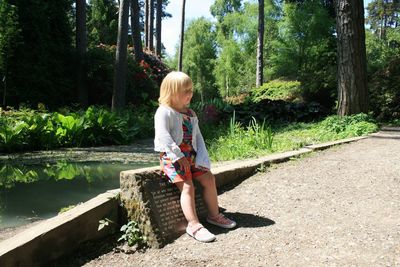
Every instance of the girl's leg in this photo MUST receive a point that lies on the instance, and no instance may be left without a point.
(210, 197)
(188, 201)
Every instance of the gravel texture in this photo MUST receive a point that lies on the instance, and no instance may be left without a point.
(338, 207)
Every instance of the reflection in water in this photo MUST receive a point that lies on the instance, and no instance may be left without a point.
(31, 192)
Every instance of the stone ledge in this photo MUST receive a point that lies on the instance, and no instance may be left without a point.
(334, 143)
(61, 234)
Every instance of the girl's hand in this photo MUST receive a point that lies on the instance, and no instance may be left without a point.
(184, 163)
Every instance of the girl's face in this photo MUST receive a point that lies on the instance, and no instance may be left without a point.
(185, 97)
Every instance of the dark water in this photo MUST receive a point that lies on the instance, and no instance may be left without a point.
(32, 192)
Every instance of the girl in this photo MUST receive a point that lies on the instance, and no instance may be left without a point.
(183, 154)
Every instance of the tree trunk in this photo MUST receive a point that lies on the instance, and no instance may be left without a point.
(81, 47)
(135, 27)
(182, 36)
(118, 98)
(5, 84)
(260, 44)
(352, 77)
(158, 27)
(151, 25)
(146, 23)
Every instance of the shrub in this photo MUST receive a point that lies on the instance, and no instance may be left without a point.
(277, 90)
(143, 78)
(348, 126)
(34, 130)
(384, 90)
(279, 111)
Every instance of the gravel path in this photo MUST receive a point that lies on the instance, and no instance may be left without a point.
(338, 207)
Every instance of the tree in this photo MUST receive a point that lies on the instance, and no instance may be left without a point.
(9, 32)
(352, 78)
(151, 26)
(383, 14)
(159, 15)
(81, 47)
(305, 50)
(119, 90)
(260, 44)
(200, 55)
(146, 23)
(103, 22)
(42, 67)
(182, 36)
(220, 9)
(135, 26)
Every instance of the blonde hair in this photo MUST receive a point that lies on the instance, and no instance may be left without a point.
(173, 84)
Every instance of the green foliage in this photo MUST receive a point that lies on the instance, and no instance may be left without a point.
(395, 122)
(257, 140)
(380, 52)
(382, 15)
(12, 134)
(13, 174)
(242, 142)
(41, 69)
(221, 8)
(384, 89)
(102, 126)
(9, 33)
(199, 57)
(67, 208)
(230, 71)
(104, 223)
(354, 125)
(131, 234)
(305, 50)
(277, 90)
(102, 22)
(143, 78)
(32, 130)
(9, 175)
(299, 45)
(279, 111)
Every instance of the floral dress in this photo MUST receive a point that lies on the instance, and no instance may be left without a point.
(173, 170)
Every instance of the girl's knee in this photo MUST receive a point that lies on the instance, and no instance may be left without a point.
(207, 180)
(188, 187)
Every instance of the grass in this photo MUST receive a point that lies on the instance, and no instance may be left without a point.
(258, 139)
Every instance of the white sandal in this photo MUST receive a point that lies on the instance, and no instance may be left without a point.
(200, 233)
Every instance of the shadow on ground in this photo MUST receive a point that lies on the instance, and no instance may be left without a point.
(87, 252)
(243, 220)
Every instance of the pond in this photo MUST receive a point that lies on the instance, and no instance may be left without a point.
(32, 192)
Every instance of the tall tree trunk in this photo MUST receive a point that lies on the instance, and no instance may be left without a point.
(118, 98)
(151, 25)
(352, 77)
(5, 84)
(146, 23)
(158, 27)
(135, 27)
(81, 47)
(260, 44)
(182, 36)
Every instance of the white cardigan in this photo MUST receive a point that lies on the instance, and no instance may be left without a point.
(169, 134)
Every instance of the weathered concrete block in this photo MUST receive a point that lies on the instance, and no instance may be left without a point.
(154, 203)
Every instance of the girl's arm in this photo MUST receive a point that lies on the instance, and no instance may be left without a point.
(202, 158)
(164, 138)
